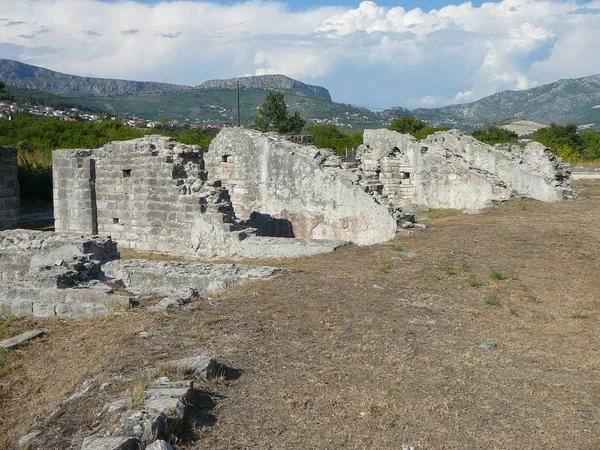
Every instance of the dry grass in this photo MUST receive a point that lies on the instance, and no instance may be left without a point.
(331, 359)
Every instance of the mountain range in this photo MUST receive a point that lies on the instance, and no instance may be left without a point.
(214, 101)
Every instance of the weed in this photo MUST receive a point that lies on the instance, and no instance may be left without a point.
(386, 266)
(541, 317)
(7, 368)
(514, 312)
(398, 248)
(449, 270)
(533, 298)
(138, 395)
(579, 315)
(492, 299)
(469, 273)
(495, 274)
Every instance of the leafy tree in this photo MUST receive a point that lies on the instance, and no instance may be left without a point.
(3, 95)
(407, 124)
(562, 139)
(495, 135)
(330, 136)
(413, 126)
(273, 116)
(591, 141)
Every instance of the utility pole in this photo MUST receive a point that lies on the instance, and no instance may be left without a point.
(238, 101)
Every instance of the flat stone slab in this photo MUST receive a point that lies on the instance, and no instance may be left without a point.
(110, 443)
(15, 341)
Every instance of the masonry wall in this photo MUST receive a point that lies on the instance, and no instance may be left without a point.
(9, 188)
(300, 191)
(149, 194)
(452, 170)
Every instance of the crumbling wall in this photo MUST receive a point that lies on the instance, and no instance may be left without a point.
(151, 194)
(9, 188)
(451, 170)
(294, 190)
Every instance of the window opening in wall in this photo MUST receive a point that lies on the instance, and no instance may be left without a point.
(115, 220)
(225, 158)
(405, 175)
(126, 173)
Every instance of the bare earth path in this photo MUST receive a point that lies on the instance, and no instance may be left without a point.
(367, 347)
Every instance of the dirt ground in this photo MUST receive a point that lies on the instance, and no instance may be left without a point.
(366, 347)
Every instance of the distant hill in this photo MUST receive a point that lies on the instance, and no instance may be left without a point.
(267, 82)
(23, 75)
(213, 102)
(564, 101)
(24, 96)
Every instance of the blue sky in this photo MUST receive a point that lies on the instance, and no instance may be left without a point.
(374, 53)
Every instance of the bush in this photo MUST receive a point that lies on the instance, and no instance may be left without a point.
(413, 126)
(330, 136)
(495, 135)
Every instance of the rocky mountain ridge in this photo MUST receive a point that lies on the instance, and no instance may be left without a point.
(564, 101)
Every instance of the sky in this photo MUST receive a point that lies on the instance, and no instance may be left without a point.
(378, 54)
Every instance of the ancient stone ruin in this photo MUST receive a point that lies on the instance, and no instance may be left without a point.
(9, 188)
(46, 274)
(252, 191)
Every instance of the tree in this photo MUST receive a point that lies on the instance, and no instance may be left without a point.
(330, 136)
(563, 140)
(273, 116)
(495, 135)
(413, 126)
(3, 95)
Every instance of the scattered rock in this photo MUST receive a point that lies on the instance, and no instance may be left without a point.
(16, 341)
(30, 438)
(408, 225)
(146, 335)
(202, 367)
(415, 304)
(488, 345)
(159, 445)
(110, 443)
(104, 386)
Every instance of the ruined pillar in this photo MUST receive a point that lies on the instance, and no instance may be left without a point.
(9, 188)
(74, 178)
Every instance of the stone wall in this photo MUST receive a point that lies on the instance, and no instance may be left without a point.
(151, 194)
(283, 188)
(452, 170)
(9, 188)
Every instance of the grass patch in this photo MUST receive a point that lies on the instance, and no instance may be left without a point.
(398, 248)
(492, 299)
(443, 212)
(579, 315)
(6, 368)
(533, 298)
(495, 274)
(471, 277)
(514, 312)
(449, 269)
(386, 266)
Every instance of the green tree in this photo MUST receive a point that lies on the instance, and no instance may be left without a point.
(413, 126)
(3, 95)
(562, 140)
(330, 136)
(495, 135)
(273, 116)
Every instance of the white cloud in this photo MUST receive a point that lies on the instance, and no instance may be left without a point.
(370, 55)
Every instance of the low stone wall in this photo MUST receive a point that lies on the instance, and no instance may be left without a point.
(9, 188)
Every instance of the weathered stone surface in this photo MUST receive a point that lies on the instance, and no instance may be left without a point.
(9, 188)
(110, 443)
(452, 170)
(16, 341)
(168, 277)
(202, 367)
(47, 274)
(159, 445)
(283, 189)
